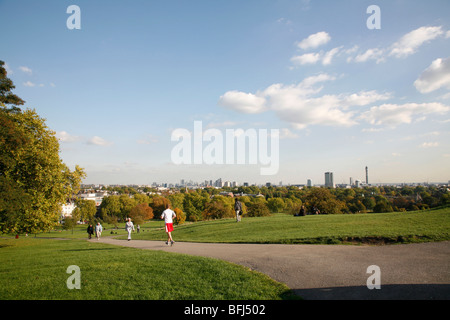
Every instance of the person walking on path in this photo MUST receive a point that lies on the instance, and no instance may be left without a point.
(238, 209)
(129, 226)
(98, 230)
(90, 231)
(168, 215)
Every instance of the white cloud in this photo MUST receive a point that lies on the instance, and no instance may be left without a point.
(315, 40)
(98, 141)
(242, 102)
(149, 139)
(285, 133)
(407, 45)
(328, 56)
(436, 76)
(26, 70)
(393, 114)
(299, 105)
(371, 54)
(66, 137)
(429, 145)
(313, 58)
(8, 69)
(29, 84)
(307, 58)
(364, 98)
(410, 42)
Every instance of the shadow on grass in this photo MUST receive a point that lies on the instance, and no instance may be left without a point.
(386, 292)
(91, 249)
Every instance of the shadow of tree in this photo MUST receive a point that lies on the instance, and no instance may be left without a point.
(386, 292)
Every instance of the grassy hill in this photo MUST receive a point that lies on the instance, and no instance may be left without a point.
(376, 228)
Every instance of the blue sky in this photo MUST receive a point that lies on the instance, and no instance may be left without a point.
(342, 95)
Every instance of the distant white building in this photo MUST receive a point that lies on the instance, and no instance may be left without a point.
(97, 197)
(66, 209)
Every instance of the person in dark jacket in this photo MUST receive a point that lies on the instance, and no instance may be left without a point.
(90, 231)
(303, 211)
(238, 209)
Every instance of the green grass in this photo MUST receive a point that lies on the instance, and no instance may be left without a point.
(35, 269)
(398, 227)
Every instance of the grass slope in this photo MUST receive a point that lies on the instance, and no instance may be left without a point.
(35, 269)
(398, 227)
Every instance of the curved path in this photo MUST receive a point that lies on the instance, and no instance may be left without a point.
(409, 271)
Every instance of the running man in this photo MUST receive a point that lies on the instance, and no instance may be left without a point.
(168, 216)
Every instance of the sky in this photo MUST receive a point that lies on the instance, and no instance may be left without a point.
(343, 84)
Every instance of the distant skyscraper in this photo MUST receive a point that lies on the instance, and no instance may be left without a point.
(329, 183)
(367, 175)
(309, 183)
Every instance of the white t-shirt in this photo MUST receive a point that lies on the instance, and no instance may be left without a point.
(129, 226)
(168, 215)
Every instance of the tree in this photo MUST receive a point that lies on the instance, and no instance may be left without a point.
(110, 207)
(141, 212)
(181, 216)
(85, 209)
(258, 209)
(276, 205)
(159, 204)
(6, 86)
(324, 200)
(382, 205)
(220, 207)
(34, 182)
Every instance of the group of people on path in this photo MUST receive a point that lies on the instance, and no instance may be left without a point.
(98, 230)
(168, 215)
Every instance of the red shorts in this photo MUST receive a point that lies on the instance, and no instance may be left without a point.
(169, 227)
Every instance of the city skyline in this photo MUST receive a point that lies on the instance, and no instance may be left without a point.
(344, 86)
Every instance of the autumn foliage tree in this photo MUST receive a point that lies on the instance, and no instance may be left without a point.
(181, 216)
(140, 213)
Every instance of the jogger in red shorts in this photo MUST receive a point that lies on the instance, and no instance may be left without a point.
(168, 215)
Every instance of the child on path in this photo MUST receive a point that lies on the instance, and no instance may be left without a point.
(168, 216)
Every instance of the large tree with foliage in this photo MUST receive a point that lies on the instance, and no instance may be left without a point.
(324, 200)
(34, 181)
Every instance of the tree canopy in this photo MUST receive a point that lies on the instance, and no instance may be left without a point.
(34, 182)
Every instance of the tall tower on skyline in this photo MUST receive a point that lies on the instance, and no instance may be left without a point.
(367, 175)
(329, 183)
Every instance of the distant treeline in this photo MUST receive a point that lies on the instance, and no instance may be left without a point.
(212, 203)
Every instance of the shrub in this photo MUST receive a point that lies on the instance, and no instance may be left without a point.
(257, 209)
(181, 216)
(217, 209)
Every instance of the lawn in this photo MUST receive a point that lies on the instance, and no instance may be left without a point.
(35, 269)
(395, 227)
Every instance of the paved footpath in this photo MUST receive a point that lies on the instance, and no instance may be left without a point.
(316, 272)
